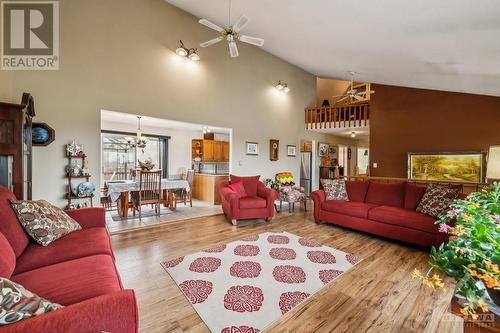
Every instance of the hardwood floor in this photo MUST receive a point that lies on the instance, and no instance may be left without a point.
(377, 295)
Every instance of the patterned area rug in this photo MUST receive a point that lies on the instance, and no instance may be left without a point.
(247, 285)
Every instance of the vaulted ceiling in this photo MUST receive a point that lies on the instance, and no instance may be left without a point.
(451, 45)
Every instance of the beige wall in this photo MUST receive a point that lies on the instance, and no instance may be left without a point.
(327, 88)
(119, 55)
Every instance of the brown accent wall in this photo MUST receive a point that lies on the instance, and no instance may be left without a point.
(406, 120)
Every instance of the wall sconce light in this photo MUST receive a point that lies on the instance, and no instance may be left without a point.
(184, 52)
(353, 134)
(282, 86)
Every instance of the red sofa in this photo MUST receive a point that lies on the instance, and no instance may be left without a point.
(77, 271)
(259, 202)
(384, 209)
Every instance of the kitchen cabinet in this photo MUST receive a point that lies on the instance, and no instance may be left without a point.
(208, 150)
(218, 151)
(206, 187)
(225, 151)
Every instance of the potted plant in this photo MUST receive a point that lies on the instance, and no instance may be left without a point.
(472, 255)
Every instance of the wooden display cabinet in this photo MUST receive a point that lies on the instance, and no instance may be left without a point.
(16, 146)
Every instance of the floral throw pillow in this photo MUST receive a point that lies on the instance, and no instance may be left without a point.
(334, 189)
(437, 199)
(42, 221)
(17, 303)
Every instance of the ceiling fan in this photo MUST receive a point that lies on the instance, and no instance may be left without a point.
(352, 93)
(231, 33)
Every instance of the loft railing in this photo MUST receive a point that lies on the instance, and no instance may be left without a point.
(347, 116)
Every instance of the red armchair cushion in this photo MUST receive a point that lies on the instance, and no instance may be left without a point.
(238, 188)
(413, 195)
(387, 194)
(404, 218)
(252, 202)
(356, 190)
(9, 225)
(78, 244)
(351, 208)
(7, 258)
(250, 184)
(72, 281)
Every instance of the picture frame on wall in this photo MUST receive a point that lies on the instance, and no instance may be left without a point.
(323, 149)
(462, 167)
(291, 150)
(42, 134)
(252, 148)
(274, 146)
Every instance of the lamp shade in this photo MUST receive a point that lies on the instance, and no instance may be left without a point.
(493, 165)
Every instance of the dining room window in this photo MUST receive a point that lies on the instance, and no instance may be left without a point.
(119, 157)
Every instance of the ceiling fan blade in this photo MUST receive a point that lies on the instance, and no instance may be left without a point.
(372, 92)
(359, 98)
(210, 25)
(211, 42)
(241, 23)
(251, 40)
(343, 98)
(233, 49)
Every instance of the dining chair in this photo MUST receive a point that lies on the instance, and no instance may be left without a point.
(149, 192)
(181, 195)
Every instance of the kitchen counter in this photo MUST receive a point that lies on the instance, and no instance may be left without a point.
(206, 187)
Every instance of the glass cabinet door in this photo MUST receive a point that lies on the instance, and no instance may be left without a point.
(6, 167)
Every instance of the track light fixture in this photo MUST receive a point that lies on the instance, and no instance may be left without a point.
(282, 86)
(183, 51)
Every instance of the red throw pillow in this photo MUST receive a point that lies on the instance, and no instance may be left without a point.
(239, 189)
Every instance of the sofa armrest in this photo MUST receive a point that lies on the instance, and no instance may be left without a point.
(89, 217)
(317, 197)
(115, 312)
(266, 193)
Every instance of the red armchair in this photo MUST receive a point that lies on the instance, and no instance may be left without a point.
(259, 202)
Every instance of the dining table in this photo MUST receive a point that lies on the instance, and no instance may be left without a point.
(119, 192)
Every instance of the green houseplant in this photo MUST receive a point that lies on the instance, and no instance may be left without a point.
(472, 256)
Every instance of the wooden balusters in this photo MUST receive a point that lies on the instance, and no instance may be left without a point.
(347, 116)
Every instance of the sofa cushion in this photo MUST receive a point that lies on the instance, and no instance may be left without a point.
(334, 189)
(387, 194)
(404, 218)
(355, 209)
(9, 225)
(7, 258)
(356, 190)
(18, 304)
(43, 221)
(250, 184)
(437, 199)
(252, 202)
(72, 281)
(78, 244)
(238, 188)
(413, 195)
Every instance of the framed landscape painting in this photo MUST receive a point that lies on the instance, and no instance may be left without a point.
(467, 167)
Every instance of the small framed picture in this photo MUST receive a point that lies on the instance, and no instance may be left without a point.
(252, 148)
(291, 150)
(42, 134)
(323, 149)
